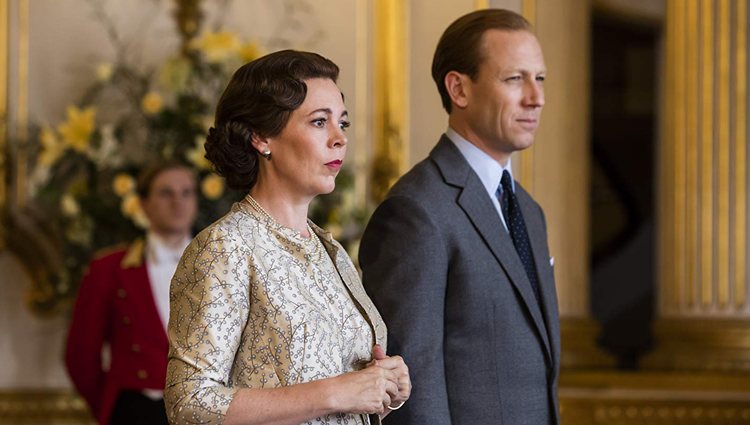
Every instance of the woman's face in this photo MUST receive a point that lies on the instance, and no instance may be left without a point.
(309, 152)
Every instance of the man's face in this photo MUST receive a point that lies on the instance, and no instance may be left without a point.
(504, 102)
(172, 203)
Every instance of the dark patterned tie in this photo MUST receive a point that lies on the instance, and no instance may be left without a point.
(517, 229)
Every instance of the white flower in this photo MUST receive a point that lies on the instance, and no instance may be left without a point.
(106, 155)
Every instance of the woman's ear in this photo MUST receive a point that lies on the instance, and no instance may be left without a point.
(456, 84)
(260, 144)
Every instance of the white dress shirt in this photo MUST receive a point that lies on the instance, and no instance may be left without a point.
(161, 263)
(487, 169)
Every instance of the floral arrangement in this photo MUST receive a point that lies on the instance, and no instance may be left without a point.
(84, 174)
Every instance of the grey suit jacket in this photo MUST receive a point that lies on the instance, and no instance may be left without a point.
(443, 272)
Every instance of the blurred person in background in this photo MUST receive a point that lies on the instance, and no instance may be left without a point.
(123, 306)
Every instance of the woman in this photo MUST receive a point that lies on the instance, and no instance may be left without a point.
(269, 321)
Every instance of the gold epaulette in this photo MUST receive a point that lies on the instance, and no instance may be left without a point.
(109, 250)
(134, 256)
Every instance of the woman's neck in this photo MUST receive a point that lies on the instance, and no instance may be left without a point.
(287, 210)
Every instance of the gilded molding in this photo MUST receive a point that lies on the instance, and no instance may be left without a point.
(665, 207)
(723, 142)
(390, 89)
(703, 199)
(4, 25)
(701, 344)
(707, 149)
(658, 398)
(740, 156)
(679, 177)
(691, 140)
(43, 407)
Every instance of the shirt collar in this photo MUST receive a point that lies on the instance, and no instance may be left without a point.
(489, 171)
(158, 251)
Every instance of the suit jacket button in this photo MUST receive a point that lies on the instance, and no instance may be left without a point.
(125, 320)
(136, 348)
(142, 374)
(121, 293)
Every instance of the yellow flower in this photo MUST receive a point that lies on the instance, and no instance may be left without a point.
(130, 205)
(175, 74)
(249, 52)
(212, 187)
(69, 205)
(197, 155)
(152, 103)
(52, 148)
(217, 46)
(76, 131)
(123, 184)
(104, 71)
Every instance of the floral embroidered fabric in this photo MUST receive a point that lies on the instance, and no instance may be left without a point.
(255, 304)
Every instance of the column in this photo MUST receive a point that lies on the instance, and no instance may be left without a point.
(704, 302)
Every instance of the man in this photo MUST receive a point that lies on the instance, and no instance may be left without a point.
(123, 303)
(456, 257)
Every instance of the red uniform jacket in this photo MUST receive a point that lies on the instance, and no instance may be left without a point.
(115, 306)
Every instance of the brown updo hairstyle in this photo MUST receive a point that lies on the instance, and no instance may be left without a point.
(259, 100)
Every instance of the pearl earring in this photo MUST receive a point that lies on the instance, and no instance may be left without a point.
(267, 154)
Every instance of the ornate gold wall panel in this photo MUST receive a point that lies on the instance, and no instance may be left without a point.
(390, 90)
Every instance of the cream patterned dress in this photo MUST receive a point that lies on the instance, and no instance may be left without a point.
(256, 305)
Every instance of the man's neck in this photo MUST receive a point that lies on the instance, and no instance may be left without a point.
(170, 239)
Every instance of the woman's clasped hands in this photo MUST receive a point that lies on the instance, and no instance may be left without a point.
(381, 386)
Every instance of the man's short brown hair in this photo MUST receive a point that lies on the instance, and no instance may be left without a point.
(151, 172)
(459, 48)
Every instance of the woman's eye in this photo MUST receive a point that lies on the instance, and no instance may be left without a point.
(344, 125)
(320, 122)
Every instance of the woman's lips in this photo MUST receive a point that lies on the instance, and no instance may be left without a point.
(335, 165)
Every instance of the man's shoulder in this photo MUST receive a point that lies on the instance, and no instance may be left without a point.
(421, 176)
(114, 255)
(111, 253)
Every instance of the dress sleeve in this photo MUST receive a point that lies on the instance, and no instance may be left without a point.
(209, 302)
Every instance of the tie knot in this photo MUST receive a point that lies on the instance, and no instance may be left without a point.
(506, 183)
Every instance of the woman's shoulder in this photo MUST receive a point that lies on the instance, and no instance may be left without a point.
(234, 228)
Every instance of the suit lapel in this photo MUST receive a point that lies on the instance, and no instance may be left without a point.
(474, 201)
(538, 237)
